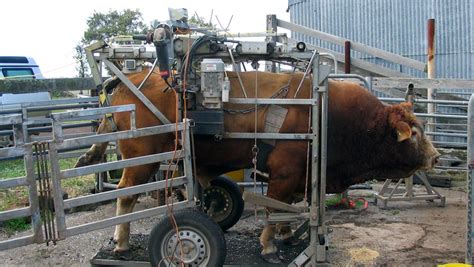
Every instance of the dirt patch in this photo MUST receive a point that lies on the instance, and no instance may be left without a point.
(415, 233)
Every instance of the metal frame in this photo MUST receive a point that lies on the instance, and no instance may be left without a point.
(470, 182)
(61, 230)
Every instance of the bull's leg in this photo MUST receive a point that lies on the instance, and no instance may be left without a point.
(122, 231)
(280, 189)
(286, 165)
(131, 176)
(96, 152)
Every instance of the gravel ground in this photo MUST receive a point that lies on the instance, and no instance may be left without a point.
(415, 233)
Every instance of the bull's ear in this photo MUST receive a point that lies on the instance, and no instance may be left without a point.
(403, 131)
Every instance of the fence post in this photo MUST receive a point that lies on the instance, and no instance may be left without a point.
(470, 181)
(431, 70)
(347, 57)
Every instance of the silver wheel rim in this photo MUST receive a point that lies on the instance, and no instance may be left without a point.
(193, 251)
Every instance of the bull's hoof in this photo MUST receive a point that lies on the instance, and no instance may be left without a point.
(274, 257)
(123, 254)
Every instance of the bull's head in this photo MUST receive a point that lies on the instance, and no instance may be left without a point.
(412, 141)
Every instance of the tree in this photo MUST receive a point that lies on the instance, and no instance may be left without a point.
(103, 25)
(114, 23)
(82, 66)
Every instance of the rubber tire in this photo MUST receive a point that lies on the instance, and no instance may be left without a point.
(235, 197)
(185, 219)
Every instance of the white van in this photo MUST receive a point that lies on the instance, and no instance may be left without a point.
(17, 68)
(12, 67)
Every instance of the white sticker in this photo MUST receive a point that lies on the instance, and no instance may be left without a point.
(211, 67)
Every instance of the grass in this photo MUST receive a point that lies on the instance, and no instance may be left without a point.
(17, 197)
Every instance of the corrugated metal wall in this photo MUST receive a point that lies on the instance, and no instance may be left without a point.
(398, 26)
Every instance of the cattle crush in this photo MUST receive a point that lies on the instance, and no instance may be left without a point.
(210, 88)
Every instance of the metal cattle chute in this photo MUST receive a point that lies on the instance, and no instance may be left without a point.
(43, 178)
(207, 89)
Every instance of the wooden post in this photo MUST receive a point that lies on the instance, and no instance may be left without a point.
(431, 70)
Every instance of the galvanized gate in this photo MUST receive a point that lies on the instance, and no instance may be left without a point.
(43, 176)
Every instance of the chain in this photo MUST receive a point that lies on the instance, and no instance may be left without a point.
(281, 93)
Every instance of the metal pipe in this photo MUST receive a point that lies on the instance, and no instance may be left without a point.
(431, 68)
(350, 76)
(237, 72)
(390, 99)
(470, 192)
(425, 115)
(314, 207)
(445, 134)
(49, 108)
(308, 68)
(148, 74)
(251, 184)
(347, 57)
(449, 144)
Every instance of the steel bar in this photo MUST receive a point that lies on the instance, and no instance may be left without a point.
(315, 167)
(63, 116)
(242, 88)
(57, 191)
(431, 70)
(65, 126)
(470, 181)
(282, 136)
(99, 197)
(423, 83)
(16, 242)
(119, 164)
(13, 182)
(11, 152)
(188, 163)
(449, 144)
(14, 109)
(16, 213)
(350, 76)
(33, 195)
(354, 45)
(11, 119)
(271, 101)
(425, 115)
(89, 140)
(347, 57)
(85, 228)
(52, 103)
(418, 100)
(136, 92)
(446, 134)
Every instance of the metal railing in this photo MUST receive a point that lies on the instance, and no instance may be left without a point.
(43, 178)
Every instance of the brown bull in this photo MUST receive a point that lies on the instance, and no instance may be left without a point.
(366, 140)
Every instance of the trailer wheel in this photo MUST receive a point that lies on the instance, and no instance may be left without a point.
(223, 202)
(198, 241)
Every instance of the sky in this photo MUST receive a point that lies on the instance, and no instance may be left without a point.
(48, 30)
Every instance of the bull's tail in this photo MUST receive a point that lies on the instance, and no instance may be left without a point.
(96, 152)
